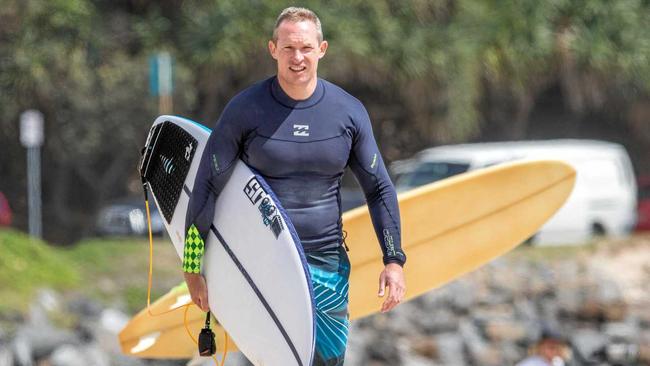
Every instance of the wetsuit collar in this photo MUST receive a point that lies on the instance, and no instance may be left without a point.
(281, 97)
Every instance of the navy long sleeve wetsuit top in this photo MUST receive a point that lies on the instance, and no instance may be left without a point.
(301, 148)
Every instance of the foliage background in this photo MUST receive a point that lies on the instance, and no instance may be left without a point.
(429, 72)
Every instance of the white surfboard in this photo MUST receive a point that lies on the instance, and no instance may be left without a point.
(259, 287)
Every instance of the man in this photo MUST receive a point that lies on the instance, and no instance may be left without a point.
(548, 351)
(300, 132)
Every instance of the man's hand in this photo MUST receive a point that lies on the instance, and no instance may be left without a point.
(392, 277)
(198, 290)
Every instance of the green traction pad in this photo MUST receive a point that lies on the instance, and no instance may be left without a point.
(193, 252)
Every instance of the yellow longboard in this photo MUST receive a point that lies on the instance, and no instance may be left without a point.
(449, 228)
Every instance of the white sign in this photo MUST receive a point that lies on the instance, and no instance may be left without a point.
(31, 128)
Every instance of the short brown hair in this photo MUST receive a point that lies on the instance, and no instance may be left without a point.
(296, 14)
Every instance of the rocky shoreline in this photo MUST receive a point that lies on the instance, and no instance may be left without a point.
(489, 317)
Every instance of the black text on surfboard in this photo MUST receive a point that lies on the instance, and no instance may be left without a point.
(258, 197)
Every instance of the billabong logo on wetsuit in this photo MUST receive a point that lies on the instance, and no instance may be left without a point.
(260, 198)
(301, 130)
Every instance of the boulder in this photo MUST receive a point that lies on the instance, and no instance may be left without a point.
(480, 351)
(43, 340)
(84, 307)
(450, 349)
(589, 342)
(22, 351)
(627, 331)
(506, 330)
(438, 320)
(68, 355)
(424, 347)
(6, 356)
(383, 349)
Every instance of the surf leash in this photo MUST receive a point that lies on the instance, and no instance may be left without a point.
(206, 343)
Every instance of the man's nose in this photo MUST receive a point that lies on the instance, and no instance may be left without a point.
(297, 55)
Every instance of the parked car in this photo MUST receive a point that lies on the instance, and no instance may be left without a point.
(603, 201)
(5, 211)
(643, 211)
(128, 217)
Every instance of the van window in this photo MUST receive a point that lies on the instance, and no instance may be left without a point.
(428, 172)
(599, 174)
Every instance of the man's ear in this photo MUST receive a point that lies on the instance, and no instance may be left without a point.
(323, 48)
(272, 49)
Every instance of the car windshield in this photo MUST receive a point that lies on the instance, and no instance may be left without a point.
(428, 172)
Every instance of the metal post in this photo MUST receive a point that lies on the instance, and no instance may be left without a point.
(34, 193)
(31, 136)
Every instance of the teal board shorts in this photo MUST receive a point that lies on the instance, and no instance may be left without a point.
(330, 273)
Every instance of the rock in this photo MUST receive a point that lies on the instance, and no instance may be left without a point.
(383, 349)
(439, 320)
(568, 300)
(42, 340)
(644, 354)
(489, 356)
(525, 310)
(541, 284)
(450, 349)
(122, 360)
(506, 330)
(113, 320)
(589, 342)
(404, 320)
(603, 300)
(484, 313)
(608, 292)
(463, 296)
(68, 355)
(509, 279)
(425, 347)
(416, 360)
(23, 351)
(96, 355)
(355, 354)
(49, 300)
(6, 356)
(38, 317)
(84, 307)
(479, 350)
(622, 353)
(627, 331)
(615, 311)
(511, 353)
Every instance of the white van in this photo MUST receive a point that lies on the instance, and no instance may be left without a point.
(603, 201)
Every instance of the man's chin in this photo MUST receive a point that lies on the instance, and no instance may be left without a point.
(299, 79)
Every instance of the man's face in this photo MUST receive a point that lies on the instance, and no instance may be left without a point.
(297, 51)
(550, 349)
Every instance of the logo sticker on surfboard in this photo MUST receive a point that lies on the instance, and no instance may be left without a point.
(168, 164)
(260, 198)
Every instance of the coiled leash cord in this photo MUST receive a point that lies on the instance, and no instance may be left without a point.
(206, 342)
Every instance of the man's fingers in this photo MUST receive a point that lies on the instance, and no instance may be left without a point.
(389, 302)
(395, 296)
(382, 285)
(204, 304)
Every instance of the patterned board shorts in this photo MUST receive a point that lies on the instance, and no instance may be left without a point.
(330, 272)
